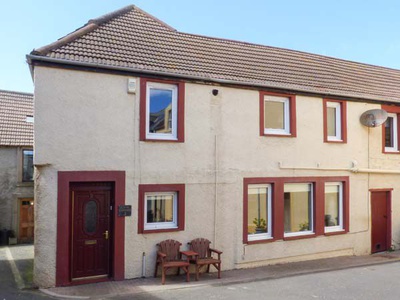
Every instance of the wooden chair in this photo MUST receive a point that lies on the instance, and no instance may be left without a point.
(204, 256)
(169, 256)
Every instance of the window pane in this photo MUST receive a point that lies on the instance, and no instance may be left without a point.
(90, 216)
(160, 208)
(27, 163)
(331, 120)
(389, 132)
(297, 207)
(160, 120)
(332, 205)
(258, 209)
(274, 115)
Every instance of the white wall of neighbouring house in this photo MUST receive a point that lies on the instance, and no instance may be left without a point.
(87, 121)
(11, 187)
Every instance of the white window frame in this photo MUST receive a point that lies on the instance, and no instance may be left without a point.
(268, 234)
(395, 147)
(339, 227)
(307, 232)
(162, 225)
(174, 133)
(286, 111)
(338, 121)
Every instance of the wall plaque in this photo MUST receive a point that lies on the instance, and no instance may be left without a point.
(124, 210)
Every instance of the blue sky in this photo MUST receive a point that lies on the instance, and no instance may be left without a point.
(363, 31)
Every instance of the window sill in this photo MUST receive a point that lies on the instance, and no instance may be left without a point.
(279, 134)
(299, 237)
(162, 140)
(146, 231)
(337, 232)
(389, 151)
(335, 141)
(261, 241)
(25, 183)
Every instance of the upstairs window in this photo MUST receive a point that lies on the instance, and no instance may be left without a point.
(277, 114)
(335, 121)
(27, 165)
(391, 133)
(161, 111)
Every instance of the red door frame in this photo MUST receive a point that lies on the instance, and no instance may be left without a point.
(63, 252)
(388, 193)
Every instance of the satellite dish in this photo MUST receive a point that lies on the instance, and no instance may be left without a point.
(373, 117)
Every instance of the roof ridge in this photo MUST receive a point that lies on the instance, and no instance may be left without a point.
(107, 17)
(15, 92)
(90, 26)
(156, 19)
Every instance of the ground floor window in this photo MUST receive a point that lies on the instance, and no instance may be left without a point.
(161, 207)
(333, 206)
(298, 208)
(259, 211)
(277, 208)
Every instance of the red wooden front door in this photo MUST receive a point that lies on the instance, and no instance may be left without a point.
(91, 240)
(381, 221)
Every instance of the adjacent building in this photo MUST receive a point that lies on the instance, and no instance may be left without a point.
(144, 133)
(16, 165)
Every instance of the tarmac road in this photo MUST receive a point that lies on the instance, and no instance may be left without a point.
(367, 283)
(8, 286)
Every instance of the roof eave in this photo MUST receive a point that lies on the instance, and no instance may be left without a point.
(32, 58)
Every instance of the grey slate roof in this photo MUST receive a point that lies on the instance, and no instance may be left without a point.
(130, 38)
(14, 130)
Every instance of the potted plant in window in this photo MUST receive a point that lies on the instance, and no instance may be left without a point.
(261, 225)
(304, 226)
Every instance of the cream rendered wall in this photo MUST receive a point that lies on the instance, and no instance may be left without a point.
(88, 121)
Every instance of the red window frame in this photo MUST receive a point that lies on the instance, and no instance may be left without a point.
(179, 189)
(277, 186)
(393, 110)
(292, 114)
(180, 113)
(343, 120)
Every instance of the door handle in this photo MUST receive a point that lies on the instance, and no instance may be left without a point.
(106, 235)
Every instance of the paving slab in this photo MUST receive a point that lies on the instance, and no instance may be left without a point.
(150, 284)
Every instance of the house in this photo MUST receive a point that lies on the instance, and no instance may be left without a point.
(16, 165)
(144, 133)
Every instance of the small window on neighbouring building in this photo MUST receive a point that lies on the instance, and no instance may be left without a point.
(29, 119)
(27, 165)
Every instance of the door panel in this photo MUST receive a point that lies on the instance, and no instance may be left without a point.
(91, 231)
(26, 221)
(380, 213)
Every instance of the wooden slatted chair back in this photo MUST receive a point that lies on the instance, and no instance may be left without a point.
(171, 249)
(201, 246)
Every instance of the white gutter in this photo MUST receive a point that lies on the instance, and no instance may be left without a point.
(353, 169)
